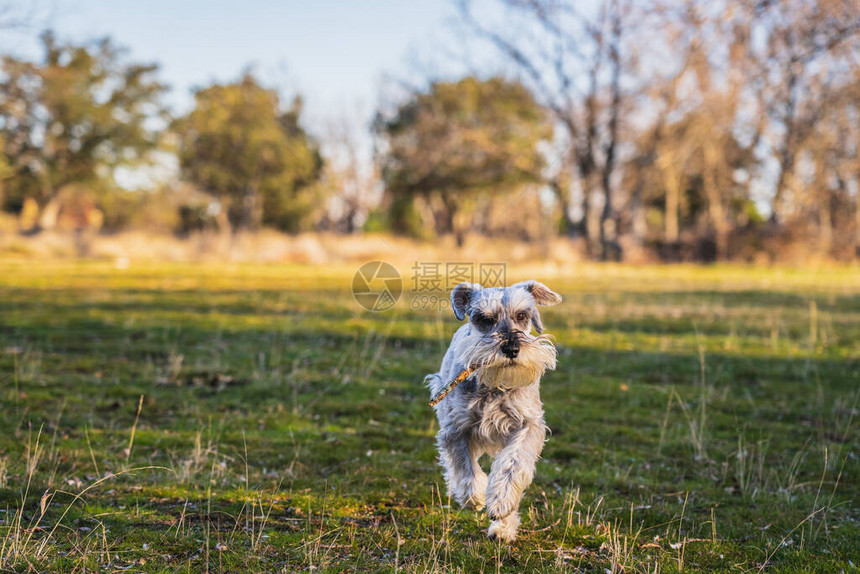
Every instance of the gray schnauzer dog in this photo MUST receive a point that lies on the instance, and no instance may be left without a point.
(497, 410)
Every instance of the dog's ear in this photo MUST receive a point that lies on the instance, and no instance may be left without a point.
(536, 322)
(543, 295)
(461, 296)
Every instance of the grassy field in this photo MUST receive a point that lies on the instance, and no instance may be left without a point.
(236, 418)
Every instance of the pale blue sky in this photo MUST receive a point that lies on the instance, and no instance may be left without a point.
(335, 53)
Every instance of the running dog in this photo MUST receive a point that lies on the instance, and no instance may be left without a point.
(496, 410)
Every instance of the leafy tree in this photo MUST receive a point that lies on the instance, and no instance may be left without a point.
(456, 142)
(5, 168)
(579, 64)
(72, 118)
(239, 145)
(5, 172)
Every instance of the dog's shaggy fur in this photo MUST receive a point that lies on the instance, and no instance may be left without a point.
(497, 410)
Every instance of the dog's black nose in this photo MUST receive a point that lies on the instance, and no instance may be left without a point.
(510, 351)
(511, 346)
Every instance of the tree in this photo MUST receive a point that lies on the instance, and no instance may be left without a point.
(72, 118)
(5, 172)
(240, 146)
(559, 50)
(457, 142)
(809, 51)
(700, 103)
(350, 169)
(5, 168)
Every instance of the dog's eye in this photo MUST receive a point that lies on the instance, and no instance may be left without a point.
(483, 321)
(522, 316)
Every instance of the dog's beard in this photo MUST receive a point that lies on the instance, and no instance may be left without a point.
(494, 369)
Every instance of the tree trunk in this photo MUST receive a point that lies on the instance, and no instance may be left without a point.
(607, 238)
(786, 166)
(825, 224)
(857, 227)
(252, 208)
(48, 214)
(222, 220)
(715, 202)
(673, 203)
(449, 215)
(609, 151)
(460, 237)
(604, 240)
(673, 196)
(587, 227)
(638, 223)
(667, 161)
(787, 151)
(562, 194)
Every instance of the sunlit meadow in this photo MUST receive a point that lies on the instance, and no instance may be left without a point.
(184, 418)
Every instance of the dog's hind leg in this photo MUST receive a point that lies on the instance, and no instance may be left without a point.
(466, 481)
(511, 473)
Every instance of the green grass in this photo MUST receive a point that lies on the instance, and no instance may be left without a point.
(703, 419)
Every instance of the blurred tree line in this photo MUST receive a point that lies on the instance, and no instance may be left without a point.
(456, 148)
(240, 145)
(691, 130)
(697, 129)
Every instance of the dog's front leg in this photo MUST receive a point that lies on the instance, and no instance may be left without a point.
(511, 473)
(466, 481)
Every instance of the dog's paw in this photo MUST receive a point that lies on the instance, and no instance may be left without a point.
(504, 529)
